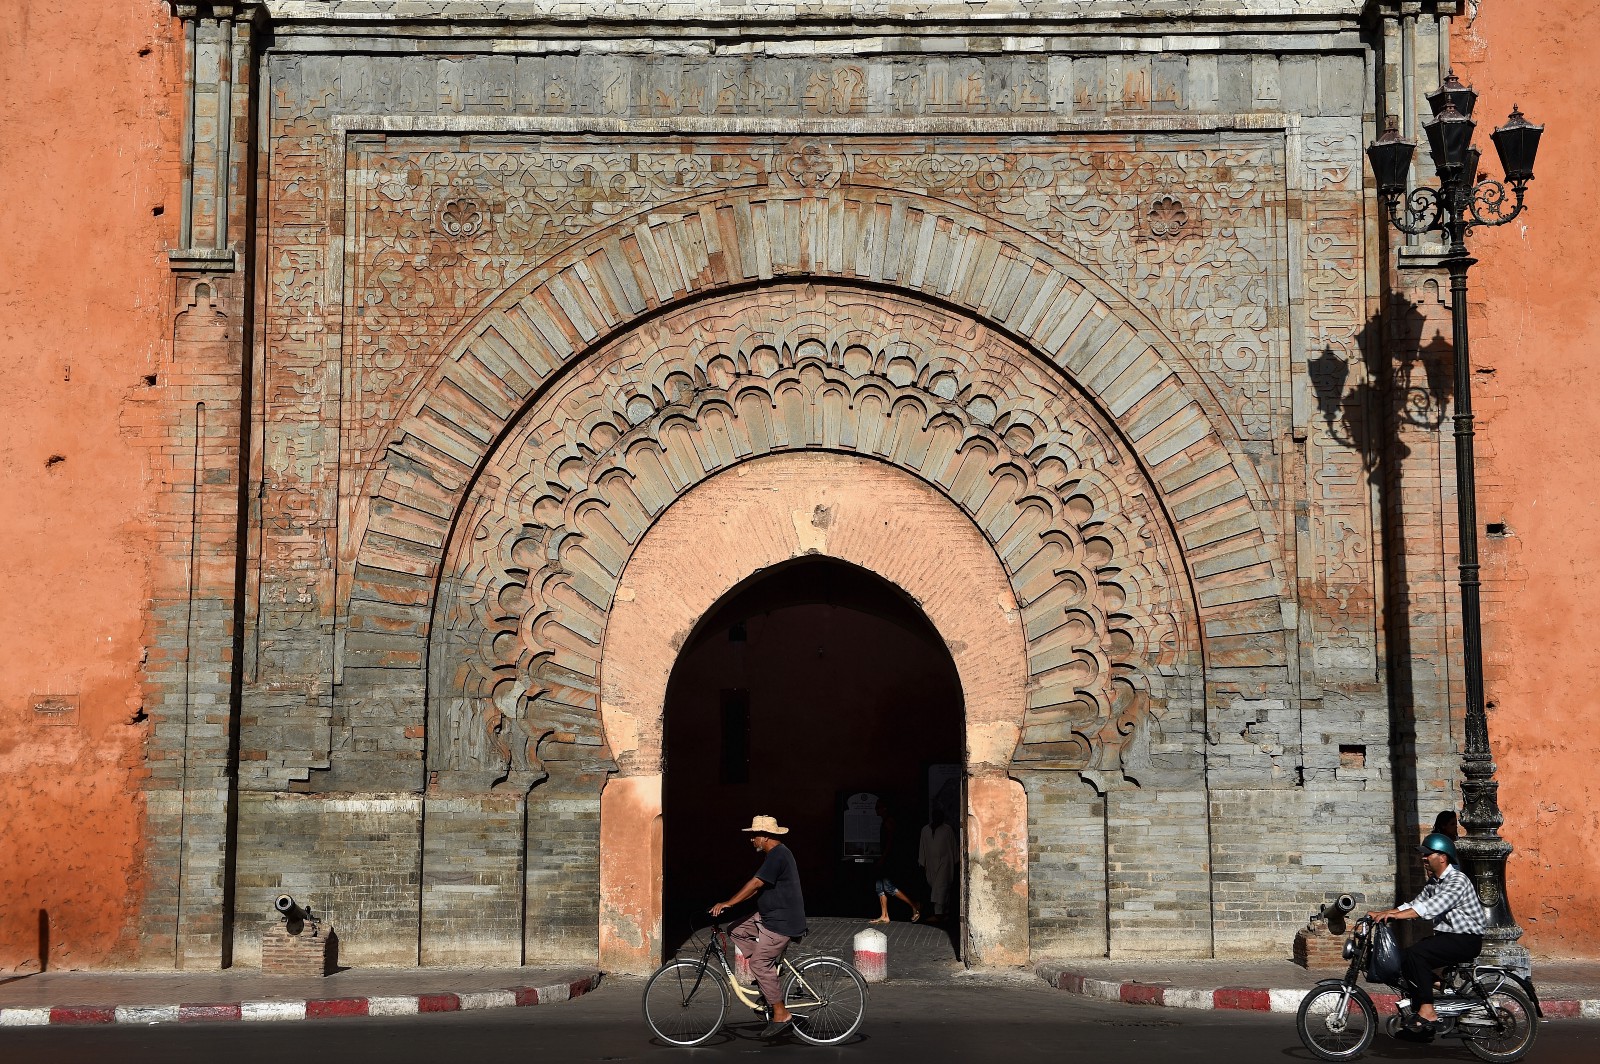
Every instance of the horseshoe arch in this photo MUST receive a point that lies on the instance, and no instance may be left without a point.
(1075, 542)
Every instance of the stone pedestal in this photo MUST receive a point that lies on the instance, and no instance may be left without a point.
(310, 952)
(1317, 947)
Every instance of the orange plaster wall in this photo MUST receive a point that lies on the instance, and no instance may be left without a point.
(90, 129)
(1537, 327)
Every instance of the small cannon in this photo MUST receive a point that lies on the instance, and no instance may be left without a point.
(299, 945)
(295, 916)
(1343, 905)
(1320, 943)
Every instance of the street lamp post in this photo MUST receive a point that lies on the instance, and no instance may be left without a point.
(1454, 208)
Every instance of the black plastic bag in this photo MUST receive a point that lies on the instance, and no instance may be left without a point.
(1383, 963)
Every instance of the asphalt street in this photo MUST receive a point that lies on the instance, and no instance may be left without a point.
(960, 1020)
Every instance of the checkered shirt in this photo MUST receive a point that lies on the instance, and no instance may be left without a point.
(1451, 903)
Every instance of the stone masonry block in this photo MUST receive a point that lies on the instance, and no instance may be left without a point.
(353, 858)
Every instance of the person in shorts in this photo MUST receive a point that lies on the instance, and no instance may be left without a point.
(884, 883)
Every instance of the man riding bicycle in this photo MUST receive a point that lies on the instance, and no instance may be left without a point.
(1451, 902)
(780, 915)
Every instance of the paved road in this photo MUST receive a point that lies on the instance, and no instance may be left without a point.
(964, 1021)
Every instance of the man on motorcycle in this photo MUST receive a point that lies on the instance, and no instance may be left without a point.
(1451, 903)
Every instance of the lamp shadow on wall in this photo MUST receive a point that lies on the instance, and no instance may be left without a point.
(44, 952)
(1403, 399)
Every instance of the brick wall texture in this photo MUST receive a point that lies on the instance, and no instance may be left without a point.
(457, 324)
(303, 953)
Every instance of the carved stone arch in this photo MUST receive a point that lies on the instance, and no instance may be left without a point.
(461, 475)
(588, 529)
(612, 281)
(534, 573)
(535, 570)
(761, 514)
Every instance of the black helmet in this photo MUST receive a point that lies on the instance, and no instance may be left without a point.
(1439, 843)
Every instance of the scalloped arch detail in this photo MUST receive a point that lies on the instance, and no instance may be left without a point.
(629, 281)
(627, 274)
(534, 565)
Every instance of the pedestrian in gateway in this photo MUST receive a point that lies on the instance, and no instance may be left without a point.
(780, 915)
(937, 853)
(889, 868)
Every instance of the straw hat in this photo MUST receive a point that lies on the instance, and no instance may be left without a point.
(765, 825)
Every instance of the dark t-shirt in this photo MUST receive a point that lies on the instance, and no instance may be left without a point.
(780, 904)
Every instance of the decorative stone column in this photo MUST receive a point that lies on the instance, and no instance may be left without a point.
(200, 458)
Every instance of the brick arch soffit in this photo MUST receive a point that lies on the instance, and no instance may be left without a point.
(741, 523)
(567, 494)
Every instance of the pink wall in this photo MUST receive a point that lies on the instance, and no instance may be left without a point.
(1536, 350)
(91, 130)
(90, 127)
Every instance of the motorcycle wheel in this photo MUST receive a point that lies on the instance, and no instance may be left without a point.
(1518, 1026)
(1325, 1032)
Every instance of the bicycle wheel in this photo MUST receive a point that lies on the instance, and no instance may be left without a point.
(1512, 1036)
(1336, 1023)
(684, 1002)
(828, 999)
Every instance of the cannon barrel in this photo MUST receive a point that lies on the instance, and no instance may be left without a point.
(292, 910)
(1339, 906)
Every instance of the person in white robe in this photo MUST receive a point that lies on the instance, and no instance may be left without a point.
(936, 853)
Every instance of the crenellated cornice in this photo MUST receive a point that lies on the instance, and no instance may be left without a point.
(1395, 8)
(1181, 16)
(803, 10)
(474, 16)
(236, 11)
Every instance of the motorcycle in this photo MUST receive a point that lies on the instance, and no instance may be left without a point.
(1494, 1011)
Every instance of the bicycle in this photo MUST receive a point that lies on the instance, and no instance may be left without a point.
(686, 999)
(1493, 1010)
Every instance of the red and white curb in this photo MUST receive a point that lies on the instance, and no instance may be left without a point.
(1249, 999)
(316, 1009)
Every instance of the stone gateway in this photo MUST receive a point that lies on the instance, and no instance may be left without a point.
(524, 335)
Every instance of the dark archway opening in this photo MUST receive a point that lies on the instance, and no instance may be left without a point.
(810, 683)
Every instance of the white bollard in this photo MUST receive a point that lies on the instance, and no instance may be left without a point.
(872, 955)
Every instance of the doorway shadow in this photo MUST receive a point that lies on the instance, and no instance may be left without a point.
(820, 694)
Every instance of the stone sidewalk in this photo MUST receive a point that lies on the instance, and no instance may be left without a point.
(917, 953)
(210, 997)
(1567, 989)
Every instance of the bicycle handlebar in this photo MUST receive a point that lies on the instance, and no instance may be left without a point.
(713, 922)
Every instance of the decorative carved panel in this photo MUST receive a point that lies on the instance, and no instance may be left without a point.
(551, 523)
(385, 251)
(1186, 233)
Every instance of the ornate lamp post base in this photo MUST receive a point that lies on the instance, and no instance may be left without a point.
(1483, 858)
(1484, 862)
